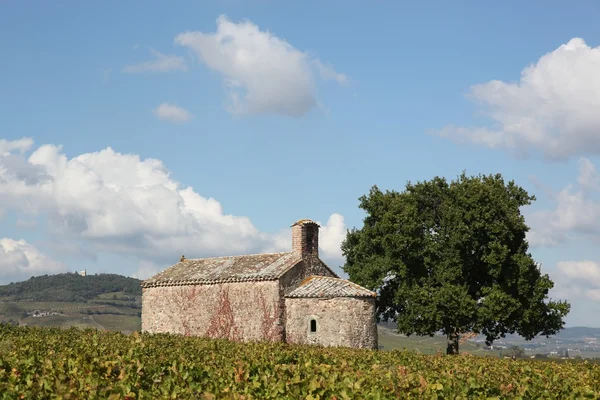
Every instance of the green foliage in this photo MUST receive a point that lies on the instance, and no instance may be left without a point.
(70, 287)
(453, 257)
(86, 364)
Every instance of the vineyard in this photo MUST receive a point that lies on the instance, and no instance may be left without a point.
(50, 363)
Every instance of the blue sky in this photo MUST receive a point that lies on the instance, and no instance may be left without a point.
(274, 111)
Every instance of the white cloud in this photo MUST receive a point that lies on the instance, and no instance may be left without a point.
(585, 271)
(146, 269)
(161, 63)
(172, 112)
(9, 146)
(579, 279)
(588, 175)
(120, 204)
(539, 236)
(331, 237)
(328, 73)
(264, 74)
(576, 211)
(552, 109)
(20, 260)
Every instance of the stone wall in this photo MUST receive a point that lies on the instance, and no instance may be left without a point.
(343, 321)
(248, 311)
(305, 268)
(292, 279)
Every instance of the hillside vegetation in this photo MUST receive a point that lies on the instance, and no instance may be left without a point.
(76, 364)
(103, 301)
(70, 287)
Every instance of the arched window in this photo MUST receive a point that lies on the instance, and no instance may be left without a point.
(313, 325)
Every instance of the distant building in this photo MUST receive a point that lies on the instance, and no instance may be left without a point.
(292, 297)
(82, 273)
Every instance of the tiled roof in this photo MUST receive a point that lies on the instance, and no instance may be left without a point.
(257, 267)
(328, 287)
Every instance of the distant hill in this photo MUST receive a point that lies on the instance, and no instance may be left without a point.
(103, 301)
(575, 332)
(69, 287)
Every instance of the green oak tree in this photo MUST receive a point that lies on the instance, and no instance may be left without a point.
(453, 257)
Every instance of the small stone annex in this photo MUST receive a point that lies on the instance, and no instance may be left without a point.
(292, 297)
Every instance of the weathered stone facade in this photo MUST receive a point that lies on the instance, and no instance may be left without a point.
(341, 321)
(245, 298)
(235, 311)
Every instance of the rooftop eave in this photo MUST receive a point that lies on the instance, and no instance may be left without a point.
(189, 282)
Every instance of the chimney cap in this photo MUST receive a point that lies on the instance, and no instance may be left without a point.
(305, 222)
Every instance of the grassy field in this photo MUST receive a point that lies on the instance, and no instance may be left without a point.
(119, 296)
(17, 308)
(391, 340)
(108, 322)
(63, 321)
(118, 322)
(108, 311)
(59, 306)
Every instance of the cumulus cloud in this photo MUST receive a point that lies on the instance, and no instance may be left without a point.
(331, 237)
(586, 271)
(172, 112)
(9, 146)
(328, 73)
(117, 203)
(263, 73)
(552, 109)
(20, 260)
(161, 63)
(576, 211)
(579, 279)
(588, 175)
(146, 269)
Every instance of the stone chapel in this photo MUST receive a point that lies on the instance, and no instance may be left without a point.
(292, 297)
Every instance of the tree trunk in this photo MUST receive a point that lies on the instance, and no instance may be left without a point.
(452, 343)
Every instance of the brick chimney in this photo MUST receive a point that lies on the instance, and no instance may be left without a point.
(305, 238)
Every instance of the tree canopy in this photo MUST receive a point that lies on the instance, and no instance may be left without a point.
(453, 257)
